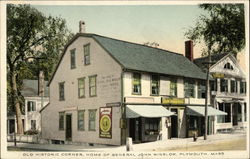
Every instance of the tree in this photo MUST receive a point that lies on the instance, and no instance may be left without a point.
(31, 37)
(222, 29)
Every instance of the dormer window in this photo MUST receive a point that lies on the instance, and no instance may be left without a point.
(228, 66)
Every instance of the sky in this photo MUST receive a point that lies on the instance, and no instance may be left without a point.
(164, 24)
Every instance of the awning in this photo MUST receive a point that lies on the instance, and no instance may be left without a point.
(200, 111)
(148, 111)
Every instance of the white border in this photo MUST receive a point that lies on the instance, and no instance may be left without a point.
(5, 154)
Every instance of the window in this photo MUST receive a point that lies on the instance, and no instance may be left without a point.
(86, 49)
(213, 84)
(233, 86)
(61, 120)
(155, 85)
(136, 83)
(152, 126)
(61, 91)
(201, 89)
(73, 59)
(92, 116)
(223, 85)
(193, 120)
(228, 66)
(33, 124)
(242, 87)
(81, 87)
(31, 106)
(173, 87)
(189, 88)
(80, 117)
(92, 86)
(224, 118)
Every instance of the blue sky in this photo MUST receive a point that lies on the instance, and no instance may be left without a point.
(164, 24)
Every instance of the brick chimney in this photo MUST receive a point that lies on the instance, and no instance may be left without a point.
(81, 27)
(41, 84)
(189, 50)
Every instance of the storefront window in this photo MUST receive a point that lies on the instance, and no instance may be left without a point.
(152, 126)
(193, 122)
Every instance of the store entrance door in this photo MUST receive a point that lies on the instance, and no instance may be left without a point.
(174, 123)
(135, 129)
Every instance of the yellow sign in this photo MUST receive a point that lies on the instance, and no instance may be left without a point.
(173, 101)
(105, 122)
(218, 75)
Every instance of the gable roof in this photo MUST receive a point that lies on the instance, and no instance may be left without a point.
(30, 88)
(214, 58)
(143, 58)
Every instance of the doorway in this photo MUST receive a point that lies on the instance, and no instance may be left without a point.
(235, 114)
(174, 123)
(135, 129)
(68, 127)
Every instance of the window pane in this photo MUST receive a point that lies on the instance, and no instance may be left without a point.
(173, 88)
(92, 86)
(61, 91)
(92, 116)
(81, 120)
(189, 89)
(87, 54)
(81, 87)
(72, 58)
(155, 85)
(61, 121)
(136, 82)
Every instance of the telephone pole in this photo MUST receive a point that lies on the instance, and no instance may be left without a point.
(207, 92)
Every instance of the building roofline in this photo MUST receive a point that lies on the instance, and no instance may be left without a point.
(92, 35)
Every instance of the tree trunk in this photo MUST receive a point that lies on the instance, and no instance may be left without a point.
(17, 105)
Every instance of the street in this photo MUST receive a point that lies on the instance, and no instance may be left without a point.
(231, 144)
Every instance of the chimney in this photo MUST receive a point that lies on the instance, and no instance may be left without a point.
(189, 50)
(41, 84)
(81, 27)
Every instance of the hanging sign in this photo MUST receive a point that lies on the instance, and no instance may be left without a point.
(105, 120)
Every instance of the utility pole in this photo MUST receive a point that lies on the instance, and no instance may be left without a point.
(207, 92)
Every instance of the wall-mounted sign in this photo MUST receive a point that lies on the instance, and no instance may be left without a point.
(218, 75)
(173, 100)
(105, 120)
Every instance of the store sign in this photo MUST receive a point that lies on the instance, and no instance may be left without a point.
(173, 101)
(218, 75)
(105, 127)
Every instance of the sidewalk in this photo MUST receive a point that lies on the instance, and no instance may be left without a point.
(150, 146)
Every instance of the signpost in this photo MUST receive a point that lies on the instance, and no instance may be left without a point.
(105, 120)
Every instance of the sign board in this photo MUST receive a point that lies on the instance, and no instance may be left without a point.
(105, 122)
(173, 100)
(218, 75)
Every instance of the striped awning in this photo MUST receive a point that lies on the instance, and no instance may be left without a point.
(200, 111)
(147, 111)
